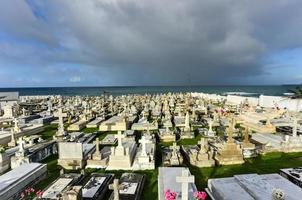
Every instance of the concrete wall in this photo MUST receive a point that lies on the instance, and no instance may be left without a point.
(268, 101)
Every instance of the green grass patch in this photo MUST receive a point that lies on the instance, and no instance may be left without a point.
(49, 131)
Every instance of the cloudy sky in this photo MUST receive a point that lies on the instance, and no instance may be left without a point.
(144, 42)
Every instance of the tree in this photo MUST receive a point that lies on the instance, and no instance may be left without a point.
(296, 94)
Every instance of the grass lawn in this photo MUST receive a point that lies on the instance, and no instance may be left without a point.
(49, 132)
(269, 163)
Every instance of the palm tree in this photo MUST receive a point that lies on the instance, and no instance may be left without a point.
(296, 94)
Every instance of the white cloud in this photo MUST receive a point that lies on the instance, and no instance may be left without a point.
(75, 79)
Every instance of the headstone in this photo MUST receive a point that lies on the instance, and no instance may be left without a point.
(185, 179)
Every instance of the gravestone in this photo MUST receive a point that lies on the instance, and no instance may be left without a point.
(230, 153)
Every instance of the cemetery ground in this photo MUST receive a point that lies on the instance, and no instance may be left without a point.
(263, 164)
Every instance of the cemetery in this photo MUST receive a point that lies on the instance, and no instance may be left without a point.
(150, 146)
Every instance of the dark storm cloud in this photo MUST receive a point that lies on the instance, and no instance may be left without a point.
(155, 42)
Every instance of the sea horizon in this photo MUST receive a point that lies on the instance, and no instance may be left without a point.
(245, 90)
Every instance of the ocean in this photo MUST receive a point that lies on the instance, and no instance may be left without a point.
(274, 90)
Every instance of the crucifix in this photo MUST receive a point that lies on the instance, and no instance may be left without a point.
(115, 186)
(185, 180)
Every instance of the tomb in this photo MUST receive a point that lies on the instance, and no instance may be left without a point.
(166, 135)
(145, 156)
(172, 156)
(129, 187)
(143, 124)
(187, 132)
(293, 143)
(294, 175)
(123, 154)
(95, 123)
(14, 182)
(73, 155)
(230, 153)
(116, 123)
(253, 186)
(199, 156)
(97, 186)
(248, 148)
(20, 158)
(64, 182)
(110, 139)
(97, 159)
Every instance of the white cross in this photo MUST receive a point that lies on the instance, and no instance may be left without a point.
(144, 141)
(97, 143)
(174, 148)
(61, 115)
(115, 186)
(185, 180)
(21, 144)
(119, 137)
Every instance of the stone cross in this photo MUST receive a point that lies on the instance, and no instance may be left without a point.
(203, 145)
(49, 106)
(119, 137)
(174, 149)
(144, 141)
(16, 127)
(185, 180)
(21, 143)
(230, 134)
(61, 115)
(115, 186)
(97, 143)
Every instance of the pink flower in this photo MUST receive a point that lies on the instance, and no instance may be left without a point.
(200, 195)
(170, 195)
(22, 195)
(39, 193)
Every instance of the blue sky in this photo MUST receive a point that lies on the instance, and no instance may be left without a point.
(160, 42)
